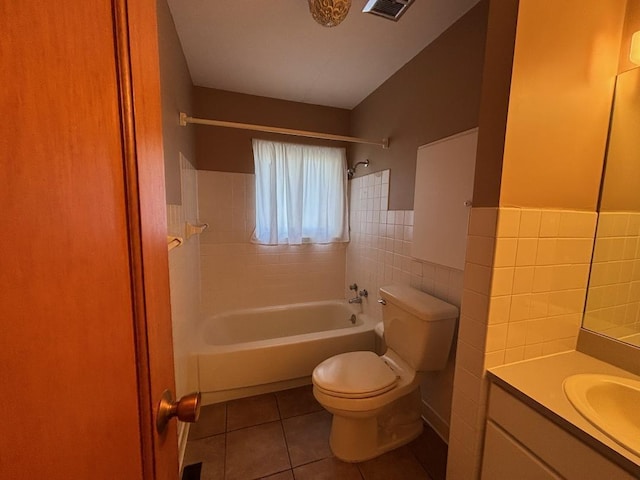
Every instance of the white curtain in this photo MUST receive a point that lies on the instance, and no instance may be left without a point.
(301, 193)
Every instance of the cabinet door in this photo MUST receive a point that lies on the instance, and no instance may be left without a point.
(443, 191)
(505, 458)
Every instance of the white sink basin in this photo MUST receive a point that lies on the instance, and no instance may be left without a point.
(611, 404)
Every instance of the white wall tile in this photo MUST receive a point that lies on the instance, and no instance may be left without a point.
(184, 278)
(508, 222)
(477, 278)
(529, 223)
(499, 309)
(577, 224)
(475, 305)
(480, 250)
(505, 255)
(502, 281)
(523, 280)
(550, 223)
(483, 222)
(539, 275)
(496, 337)
(238, 274)
(527, 251)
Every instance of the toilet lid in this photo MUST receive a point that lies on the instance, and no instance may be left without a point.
(354, 375)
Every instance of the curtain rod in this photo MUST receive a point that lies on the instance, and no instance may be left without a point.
(184, 120)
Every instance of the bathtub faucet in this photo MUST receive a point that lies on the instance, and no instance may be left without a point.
(358, 299)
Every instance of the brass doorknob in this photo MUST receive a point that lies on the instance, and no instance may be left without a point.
(187, 409)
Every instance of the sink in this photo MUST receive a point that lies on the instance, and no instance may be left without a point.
(611, 404)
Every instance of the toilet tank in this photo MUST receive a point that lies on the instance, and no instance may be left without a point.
(418, 326)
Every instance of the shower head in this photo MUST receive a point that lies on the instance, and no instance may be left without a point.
(352, 170)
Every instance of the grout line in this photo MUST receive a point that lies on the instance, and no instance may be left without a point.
(291, 468)
(286, 444)
(284, 435)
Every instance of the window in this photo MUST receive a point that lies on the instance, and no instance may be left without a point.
(300, 194)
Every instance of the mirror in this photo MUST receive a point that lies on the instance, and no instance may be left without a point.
(613, 297)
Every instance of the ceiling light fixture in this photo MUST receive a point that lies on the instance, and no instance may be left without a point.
(329, 13)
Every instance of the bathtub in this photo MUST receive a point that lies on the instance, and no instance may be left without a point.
(252, 351)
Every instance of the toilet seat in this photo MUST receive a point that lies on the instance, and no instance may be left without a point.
(354, 375)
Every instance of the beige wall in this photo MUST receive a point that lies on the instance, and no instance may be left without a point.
(176, 91)
(433, 96)
(566, 58)
(229, 150)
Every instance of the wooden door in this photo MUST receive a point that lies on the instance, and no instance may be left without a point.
(85, 337)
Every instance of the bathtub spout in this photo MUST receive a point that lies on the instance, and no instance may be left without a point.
(355, 300)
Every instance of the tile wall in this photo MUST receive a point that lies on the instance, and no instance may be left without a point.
(525, 283)
(613, 304)
(380, 254)
(380, 249)
(184, 277)
(236, 273)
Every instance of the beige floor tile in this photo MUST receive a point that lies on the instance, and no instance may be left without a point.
(211, 452)
(308, 437)
(297, 401)
(254, 446)
(328, 469)
(212, 421)
(247, 412)
(256, 452)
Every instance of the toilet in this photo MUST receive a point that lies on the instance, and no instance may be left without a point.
(375, 400)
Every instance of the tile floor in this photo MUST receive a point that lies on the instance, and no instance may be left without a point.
(285, 436)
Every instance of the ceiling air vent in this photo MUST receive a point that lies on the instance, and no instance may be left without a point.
(391, 9)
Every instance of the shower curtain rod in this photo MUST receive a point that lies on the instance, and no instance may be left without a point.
(185, 119)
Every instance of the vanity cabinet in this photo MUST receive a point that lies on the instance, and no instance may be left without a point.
(521, 443)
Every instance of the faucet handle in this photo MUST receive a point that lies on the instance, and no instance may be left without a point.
(364, 293)
(353, 286)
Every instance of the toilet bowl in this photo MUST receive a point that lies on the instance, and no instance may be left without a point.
(375, 400)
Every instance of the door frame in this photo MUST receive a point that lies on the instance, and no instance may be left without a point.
(136, 40)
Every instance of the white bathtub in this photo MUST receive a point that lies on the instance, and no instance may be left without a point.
(252, 351)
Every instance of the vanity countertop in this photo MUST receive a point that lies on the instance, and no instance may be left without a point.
(538, 383)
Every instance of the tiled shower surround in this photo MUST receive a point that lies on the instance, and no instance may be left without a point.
(238, 274)
(184, 277)
(380, 249)
(525, 282)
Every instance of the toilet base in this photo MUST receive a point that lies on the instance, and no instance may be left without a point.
(356, 439)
